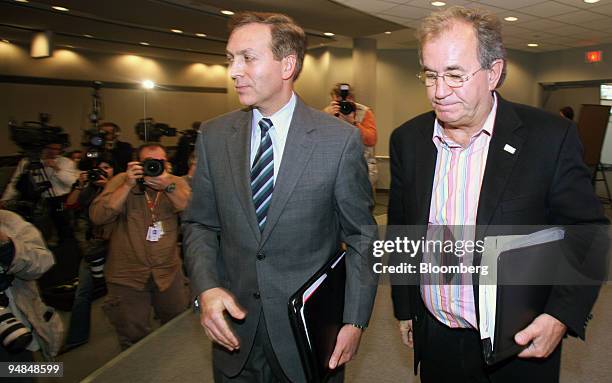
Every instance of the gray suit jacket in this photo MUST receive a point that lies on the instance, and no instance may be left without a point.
(322, 197)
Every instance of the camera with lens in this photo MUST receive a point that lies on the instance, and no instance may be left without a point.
(346, 107)
(96, 257)
(33, 136)
(14, 336)
(152, 167)
(96, 174)
(150, 131)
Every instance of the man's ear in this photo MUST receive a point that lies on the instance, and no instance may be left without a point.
(289, 64)
(495, 73)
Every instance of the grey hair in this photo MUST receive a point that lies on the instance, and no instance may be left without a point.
(486, 25)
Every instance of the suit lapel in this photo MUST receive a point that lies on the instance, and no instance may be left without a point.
(239, 154)
(426, 155)
(500, 161)
(297, 151)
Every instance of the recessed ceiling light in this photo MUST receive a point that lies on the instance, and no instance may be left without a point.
(60, 8)
(387, 33)
(88, 36)
(201, 34)
(226, 12)
(21, 1)
(438, 3)
(533, 45)
(329, 34)
(144, 43)
(591, 1)
(69, 46)
(176, 30)
(511, 18)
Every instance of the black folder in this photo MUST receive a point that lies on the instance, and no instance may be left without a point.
(315, 313)
(524, 278)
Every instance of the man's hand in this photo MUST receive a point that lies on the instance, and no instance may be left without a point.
(347, 344)
(405, 329)
(544, 333)
(134, 172)
(214, 303)
(82, 179)
(160, 182)
(101, 182)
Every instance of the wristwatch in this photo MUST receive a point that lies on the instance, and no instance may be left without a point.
(170, 188)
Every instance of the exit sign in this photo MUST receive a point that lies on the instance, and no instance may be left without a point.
(594, 56)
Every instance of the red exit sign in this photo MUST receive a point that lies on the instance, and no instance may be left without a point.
(594, 56)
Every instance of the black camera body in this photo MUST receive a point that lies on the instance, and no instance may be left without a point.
(96, 174)
(346, 107)
(152, 167)
(33, 136)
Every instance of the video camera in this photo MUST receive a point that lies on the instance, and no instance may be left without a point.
(33, 136)
(346, 107)
(15, 337)
(150, 131)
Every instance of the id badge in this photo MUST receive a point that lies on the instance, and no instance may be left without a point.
(159, 227)
(153, 234)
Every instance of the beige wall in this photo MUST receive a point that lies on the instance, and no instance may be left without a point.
(569, 65)
(70, 106)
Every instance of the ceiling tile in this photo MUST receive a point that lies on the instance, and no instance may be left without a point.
(490, 8)
(582, 4)
(541, 24)
(568, 30)
(601, 25)
(370, 6)
(514, 4)
(427, 3)
(578, 17)
(399, 20)
(407, 11)
(548, 9)
(605, 9)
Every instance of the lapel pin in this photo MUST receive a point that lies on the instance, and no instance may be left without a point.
(509, 149)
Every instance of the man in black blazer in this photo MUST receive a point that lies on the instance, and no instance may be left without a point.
(478, 159)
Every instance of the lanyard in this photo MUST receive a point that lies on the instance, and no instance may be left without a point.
(152, 205)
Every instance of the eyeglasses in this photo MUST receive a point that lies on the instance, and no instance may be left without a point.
(453, 80)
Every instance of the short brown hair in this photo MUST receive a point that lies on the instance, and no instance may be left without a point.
(150, 145)
(486, 25)
(287, 37)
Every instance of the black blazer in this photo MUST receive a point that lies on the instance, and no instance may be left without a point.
(545, 182)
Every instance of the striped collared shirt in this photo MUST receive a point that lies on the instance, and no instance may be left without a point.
(454, 201)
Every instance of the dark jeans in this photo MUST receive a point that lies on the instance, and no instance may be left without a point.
(80, 320)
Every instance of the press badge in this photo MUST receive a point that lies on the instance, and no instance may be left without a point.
(153, 234)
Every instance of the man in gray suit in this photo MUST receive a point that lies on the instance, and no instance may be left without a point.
(278, 187)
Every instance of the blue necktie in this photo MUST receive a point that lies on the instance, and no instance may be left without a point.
(262, 174)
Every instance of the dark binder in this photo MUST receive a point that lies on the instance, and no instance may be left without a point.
(524, 278)
(315, 313)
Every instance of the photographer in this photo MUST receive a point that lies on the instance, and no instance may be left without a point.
(26, 323)
(121, 151)
(344, 107)
(93, 246)
(60, 172)
(143, 269)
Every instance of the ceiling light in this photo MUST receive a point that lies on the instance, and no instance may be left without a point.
(176, 30)
(60, 8)
(511, 18)
(533, 45)
(148, 84)
(21, 1)
(591, 1)
(226, 12)
(69, 46)
(387, 33)
(144, 43)
(88, 36)
(201, 34)
(438, 3)
(329, 34)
